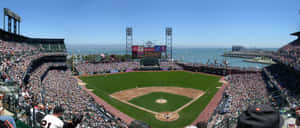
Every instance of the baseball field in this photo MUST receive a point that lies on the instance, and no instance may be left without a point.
(162, 99)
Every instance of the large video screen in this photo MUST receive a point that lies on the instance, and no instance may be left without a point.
(139, 51)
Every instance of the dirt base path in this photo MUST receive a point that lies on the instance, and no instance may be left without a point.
(210, 108)
(203, 116)
(126, 95)
(129, 94)
(167, 116)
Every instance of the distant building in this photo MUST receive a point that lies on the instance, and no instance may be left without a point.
(237, 48)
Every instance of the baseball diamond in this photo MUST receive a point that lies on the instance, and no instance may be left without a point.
(185, 77)
(135, 94)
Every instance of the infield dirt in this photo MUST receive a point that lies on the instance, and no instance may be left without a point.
(129, 94)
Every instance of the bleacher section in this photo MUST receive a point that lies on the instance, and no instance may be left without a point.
(35, 78)
(43, 44)
(20, 56)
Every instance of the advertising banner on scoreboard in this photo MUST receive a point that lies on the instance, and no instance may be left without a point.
(157, 54)
(163, 48)
(149, 54)
(153, 54)
(134, 54)
(140, 49)
(149, 49)
(137, 51)
(134, 48)
(157, 49)
(140, 54)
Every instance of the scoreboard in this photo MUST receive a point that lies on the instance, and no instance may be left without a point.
(139, 51)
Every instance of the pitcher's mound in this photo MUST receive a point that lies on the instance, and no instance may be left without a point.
(167, 116)
(161, 101)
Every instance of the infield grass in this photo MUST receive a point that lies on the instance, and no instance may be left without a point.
(103, 86)
(149, 101)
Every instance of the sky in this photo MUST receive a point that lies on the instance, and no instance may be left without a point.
(195, 23)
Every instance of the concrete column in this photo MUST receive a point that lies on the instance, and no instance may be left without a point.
(59, 46)
(19, 27)
(9, 24)
(4, 22)
(15, 26)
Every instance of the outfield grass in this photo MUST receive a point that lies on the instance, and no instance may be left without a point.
(149, 101)
(103, 86)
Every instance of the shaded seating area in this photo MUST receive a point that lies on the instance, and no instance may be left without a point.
(149, 63)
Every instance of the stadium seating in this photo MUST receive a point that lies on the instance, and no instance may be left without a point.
(32, 68)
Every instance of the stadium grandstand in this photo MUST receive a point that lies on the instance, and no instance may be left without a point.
(289, 54)
(35, 78)
(276, 85)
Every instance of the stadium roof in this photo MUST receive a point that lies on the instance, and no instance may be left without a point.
(294, 45)
(296, 33)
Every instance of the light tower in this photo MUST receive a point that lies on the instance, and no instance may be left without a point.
(129, 40)
(169, 41)
(16, 21)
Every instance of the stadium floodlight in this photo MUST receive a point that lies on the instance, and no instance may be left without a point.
(129, 31)
(11, 14)
(169, 42)
(129, 40)
(16, 20)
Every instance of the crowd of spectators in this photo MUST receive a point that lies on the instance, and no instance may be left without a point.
(286, 80)
(14, 59)
(57, 87)
(62, 89)
(169, 65)
(49, 88)
(91, 68)
(86, 68)
(244, 90)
